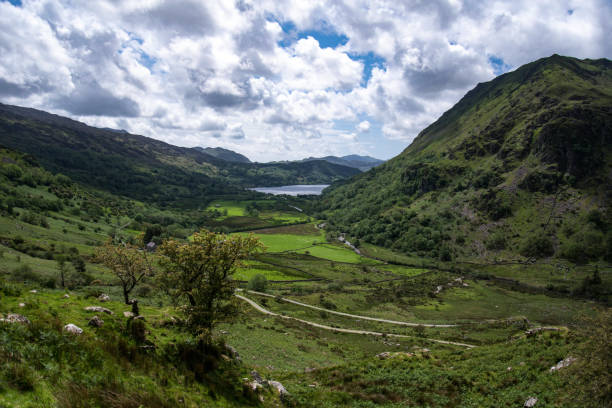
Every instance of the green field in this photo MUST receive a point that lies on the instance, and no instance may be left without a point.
(336, 253)
(233, 208)
(287, 242)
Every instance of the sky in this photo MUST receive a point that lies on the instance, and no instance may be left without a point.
(274, 79)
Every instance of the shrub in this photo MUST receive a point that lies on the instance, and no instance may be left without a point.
(258, 283)
(537, 245)
(584, 247)
(497, 241)
(25, 273)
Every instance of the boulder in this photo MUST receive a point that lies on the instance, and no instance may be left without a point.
(73, 329)
(103, 298)
(278, 387)
(33, 291)
(15, 318)
(531, 401)
(22, 305)
(232, 352)
(128, 314)
(95, 322)
(256, 377)
(66, 296)
(98, 309)
(566, 362)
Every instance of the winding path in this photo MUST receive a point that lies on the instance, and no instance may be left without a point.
(340, 330)
(374, 319)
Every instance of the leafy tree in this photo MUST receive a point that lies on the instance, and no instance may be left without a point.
(130, 264)
(199, 272)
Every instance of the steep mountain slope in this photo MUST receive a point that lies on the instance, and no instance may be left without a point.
(141, 167)
(522, 164)
(224, 154)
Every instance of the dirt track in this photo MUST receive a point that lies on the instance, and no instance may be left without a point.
(340, 330)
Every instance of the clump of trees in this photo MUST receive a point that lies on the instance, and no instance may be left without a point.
(199, 273)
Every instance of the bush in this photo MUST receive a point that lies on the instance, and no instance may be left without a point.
(25, 273)
(258, 283)
(497, 241)
(537, 245)
(584, 247)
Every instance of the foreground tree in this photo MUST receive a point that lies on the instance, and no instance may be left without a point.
(130, 264)
(199, 272)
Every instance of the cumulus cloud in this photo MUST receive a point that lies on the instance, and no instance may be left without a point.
(274, 79)
(363, 127)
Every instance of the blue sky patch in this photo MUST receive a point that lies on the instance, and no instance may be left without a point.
(570, 12)
(498, 64)
(369, 60)
(16, 3)
(324, 34)
(147, 60)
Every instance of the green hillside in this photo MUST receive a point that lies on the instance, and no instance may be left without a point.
(519, 168)
(145, 168)
(224, 154)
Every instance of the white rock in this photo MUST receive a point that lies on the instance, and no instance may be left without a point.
(279, 387)
(71, 328)
(15, 318)
(66, 296)
(531, 401)
(103, 298)
(128, 314)
(22, 305)
(566, 362)
(98, 309)
(33, 291)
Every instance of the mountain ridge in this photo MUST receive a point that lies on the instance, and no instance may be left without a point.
(528, 147)
(142, 167)
(224, 154)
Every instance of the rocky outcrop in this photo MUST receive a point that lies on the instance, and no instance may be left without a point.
(566, 362)
(531, 401)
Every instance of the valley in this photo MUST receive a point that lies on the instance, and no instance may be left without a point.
(475, 269)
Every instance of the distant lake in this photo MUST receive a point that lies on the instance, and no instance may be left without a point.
(298, 189)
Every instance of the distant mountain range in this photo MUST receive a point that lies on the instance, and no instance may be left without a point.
(362, 163)
(144, 168)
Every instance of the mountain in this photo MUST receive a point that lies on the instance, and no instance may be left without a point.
(519, 167)
(224, 154)
(144, 168)
(362, 163)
